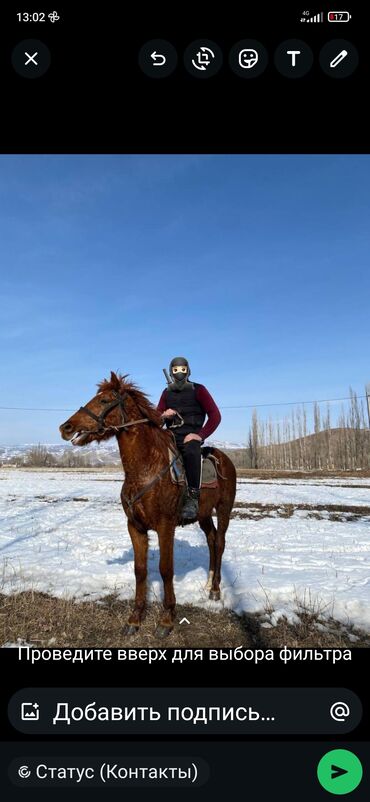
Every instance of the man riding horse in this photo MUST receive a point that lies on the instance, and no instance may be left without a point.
(190, 403)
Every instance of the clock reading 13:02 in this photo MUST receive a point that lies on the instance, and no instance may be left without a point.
(37, 16)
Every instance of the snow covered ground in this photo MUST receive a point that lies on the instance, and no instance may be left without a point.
(65, 533)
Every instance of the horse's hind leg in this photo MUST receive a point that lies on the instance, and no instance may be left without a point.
(210, 532)
(140, 546)
(223, 518)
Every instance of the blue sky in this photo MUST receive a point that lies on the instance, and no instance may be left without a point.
(254, 267)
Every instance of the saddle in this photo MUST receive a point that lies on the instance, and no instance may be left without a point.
(209, 470)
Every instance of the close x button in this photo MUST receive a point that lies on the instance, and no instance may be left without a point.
(31, 58)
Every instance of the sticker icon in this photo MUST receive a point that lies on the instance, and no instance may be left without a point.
(248, 58)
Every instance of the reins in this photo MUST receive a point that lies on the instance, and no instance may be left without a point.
(102, 429)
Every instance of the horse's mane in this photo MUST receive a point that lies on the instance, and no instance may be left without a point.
(119, 384)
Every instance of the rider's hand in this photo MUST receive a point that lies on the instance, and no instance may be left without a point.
(169, 413)
(192, 436)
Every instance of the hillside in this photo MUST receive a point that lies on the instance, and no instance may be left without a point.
(337, 448)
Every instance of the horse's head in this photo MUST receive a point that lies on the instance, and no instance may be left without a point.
(117, 402)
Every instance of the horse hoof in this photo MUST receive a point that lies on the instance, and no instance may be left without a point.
(130, 629)
(162, 631)
(215, 595)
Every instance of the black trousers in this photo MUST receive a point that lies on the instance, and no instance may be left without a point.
(192, 460)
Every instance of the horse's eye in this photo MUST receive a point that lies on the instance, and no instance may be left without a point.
(104, 400)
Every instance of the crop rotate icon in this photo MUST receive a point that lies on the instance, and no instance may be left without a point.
(204, 57)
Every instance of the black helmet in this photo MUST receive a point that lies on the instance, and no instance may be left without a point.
(180, 377)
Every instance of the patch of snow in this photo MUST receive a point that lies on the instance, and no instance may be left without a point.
(50, 542)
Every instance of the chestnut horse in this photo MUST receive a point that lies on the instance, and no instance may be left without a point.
(149, 498)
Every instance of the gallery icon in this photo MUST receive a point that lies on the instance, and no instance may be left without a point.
(203, 58)
(248, 58)
(30, 711)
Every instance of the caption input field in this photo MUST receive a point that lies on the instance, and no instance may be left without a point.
(184, 711)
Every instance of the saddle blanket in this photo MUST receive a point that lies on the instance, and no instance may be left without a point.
(208, 470)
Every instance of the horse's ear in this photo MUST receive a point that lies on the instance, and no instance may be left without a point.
(114, 380)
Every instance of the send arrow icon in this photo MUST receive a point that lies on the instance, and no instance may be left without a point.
(336, 771)
(339, 771)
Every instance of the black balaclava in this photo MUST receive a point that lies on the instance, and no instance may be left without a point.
(180, 379)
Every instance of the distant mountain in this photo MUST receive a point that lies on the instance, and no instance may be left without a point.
(94, 454)
(226, 445)
(105, 454)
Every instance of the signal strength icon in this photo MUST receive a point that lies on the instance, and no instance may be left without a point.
(317, 18)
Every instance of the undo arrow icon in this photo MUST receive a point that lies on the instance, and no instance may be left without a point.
(158, 58)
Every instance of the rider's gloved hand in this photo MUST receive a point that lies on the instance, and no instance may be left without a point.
(168, 413)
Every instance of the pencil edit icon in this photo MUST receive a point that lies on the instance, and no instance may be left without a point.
(337, 60)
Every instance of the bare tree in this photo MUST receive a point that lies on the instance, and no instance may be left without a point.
(38, 456)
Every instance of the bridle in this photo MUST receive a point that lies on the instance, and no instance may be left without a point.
(119, 399)
(118, 402)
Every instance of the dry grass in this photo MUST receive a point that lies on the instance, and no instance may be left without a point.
(46, 621)
(335, 512)
(256, 473)
(304, 633)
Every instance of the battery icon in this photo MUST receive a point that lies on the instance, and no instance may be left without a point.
(339, 16)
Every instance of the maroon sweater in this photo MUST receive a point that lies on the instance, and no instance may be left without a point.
(206, 401)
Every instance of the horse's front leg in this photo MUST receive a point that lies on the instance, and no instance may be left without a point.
(140, 546)
(166, 534)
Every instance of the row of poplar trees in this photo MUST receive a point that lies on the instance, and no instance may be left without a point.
(289, 444)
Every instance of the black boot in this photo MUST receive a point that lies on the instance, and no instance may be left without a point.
(190, 509)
